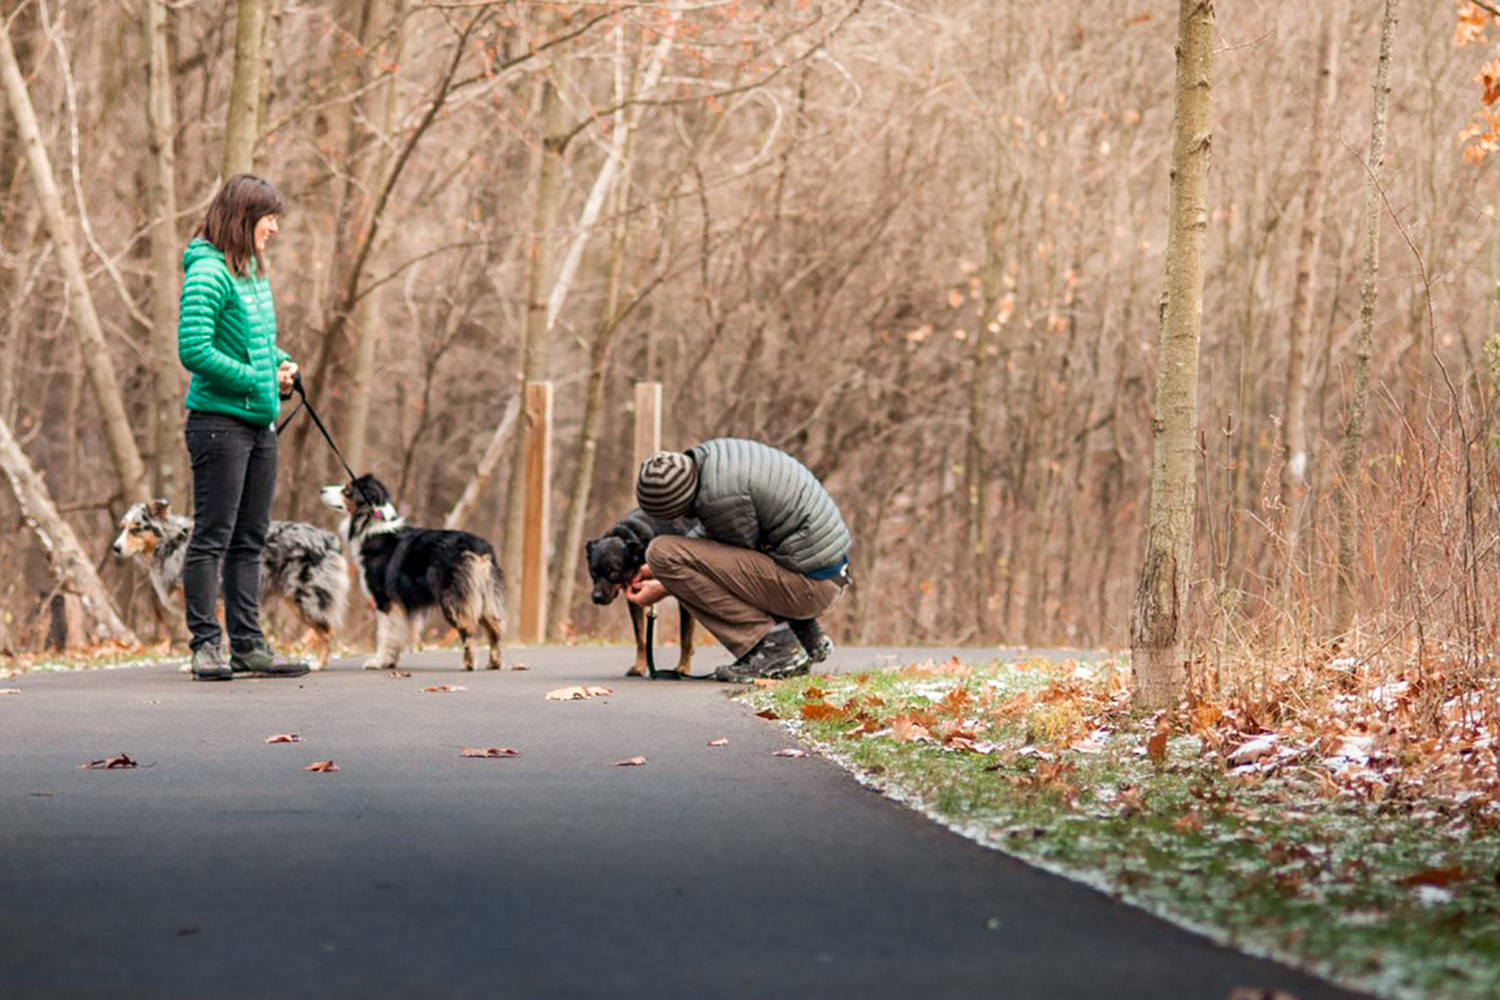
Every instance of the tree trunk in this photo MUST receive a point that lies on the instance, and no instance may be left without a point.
(129, 469)
(241, 125)
(538, 286)
(166, 373)
(1354, 428)
(72, 568)
(1162, 594)
(1294, 470)
(270, 39)
(485, 471)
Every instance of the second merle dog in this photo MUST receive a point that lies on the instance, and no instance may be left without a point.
(613, 559)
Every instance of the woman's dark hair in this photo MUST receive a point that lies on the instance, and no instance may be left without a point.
(230, 224)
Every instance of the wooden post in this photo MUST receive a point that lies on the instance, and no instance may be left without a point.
(647, 426)
(535, 531)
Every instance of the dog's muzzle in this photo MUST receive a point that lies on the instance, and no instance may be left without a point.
(332, 496)
(605, 593)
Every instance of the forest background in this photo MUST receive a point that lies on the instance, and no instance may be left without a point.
(918, 245)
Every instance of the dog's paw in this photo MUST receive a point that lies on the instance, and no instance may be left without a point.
(375, 663)
(636, 671)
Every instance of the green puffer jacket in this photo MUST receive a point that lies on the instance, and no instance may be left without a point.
(759, 497)
(226, 336)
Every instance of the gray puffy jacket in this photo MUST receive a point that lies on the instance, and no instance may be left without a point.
(758, 497)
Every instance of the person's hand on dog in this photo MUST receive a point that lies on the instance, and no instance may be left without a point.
(644, 589)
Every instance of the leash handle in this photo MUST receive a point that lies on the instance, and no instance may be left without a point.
(304, 404)
(650, 642)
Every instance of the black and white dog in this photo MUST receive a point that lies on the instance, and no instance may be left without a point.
(613, 559)
(301, 564)
(406, 571)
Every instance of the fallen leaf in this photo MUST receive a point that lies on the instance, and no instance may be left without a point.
(766, 713)
(629, 762)
(865, 726)
(821, 711)
(906, 730)
(397, 674)
(722, 741)
(109, 763)
(489, 752)
(578, 692)
(1156, 748)
(322, 766)
(10, 690)
(790, 752)
(765, 682)
(284, 738)
(441, 688)
(1250, 752)
(1436, 876)
(814, 694)
(519, 666)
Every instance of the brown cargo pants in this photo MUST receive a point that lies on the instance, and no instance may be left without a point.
(738, 594)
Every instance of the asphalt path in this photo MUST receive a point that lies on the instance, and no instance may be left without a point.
(221, 869)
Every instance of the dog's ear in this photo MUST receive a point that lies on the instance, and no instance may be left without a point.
(160, 506)
(635, 552)
(588, 550)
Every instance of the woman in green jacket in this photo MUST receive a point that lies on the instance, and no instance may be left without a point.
(226, 337)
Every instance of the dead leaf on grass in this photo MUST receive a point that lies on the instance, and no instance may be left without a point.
(109, 763)
(489, 752)
(722, 741)
(1156, 748)
(766, 682)
(790, 752)
(767, 713)
(629, 762)
(1440, 877)
(321, 766)
(814, 694)
(443, 688)
(821, 711)
(905, 729)
(284, 738)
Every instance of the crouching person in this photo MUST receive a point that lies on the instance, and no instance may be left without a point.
(771, 555)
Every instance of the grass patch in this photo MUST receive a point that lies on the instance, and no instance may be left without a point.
(1283, 847)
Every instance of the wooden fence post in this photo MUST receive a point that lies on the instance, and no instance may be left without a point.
(535, 530)
(647, 426)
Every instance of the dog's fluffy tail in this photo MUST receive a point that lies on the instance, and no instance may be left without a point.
(483, 589)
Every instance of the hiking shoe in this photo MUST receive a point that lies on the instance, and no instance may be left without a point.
(778, 654)
(209, 665)
(808, 632)
(266, 664)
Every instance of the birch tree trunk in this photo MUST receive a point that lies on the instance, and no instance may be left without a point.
(98, 369)
(72, 568)
(1354, 427)
(1162, 594)
(1294, 471)
(166, 373)
(241, 125)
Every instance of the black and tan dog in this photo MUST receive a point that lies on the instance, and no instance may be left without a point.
(407, 571)
(614, 557)
(301, 563)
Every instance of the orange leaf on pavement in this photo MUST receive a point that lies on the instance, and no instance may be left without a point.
(322, 766)
(109, 763)
(441, 688)
(489, 752)
(578, 692)
(722, 741)
(629, 762)
(284, 738)
(10, 690)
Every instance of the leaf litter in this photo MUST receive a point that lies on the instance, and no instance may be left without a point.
(284, 738)
(1324, 838)
(321, 766)
(120, 761)
(489, 752)
(579, 692)
(630, 762)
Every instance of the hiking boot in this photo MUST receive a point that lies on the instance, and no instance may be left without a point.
(209, 665)
(264, 663)
(778, 654)
(808, 632)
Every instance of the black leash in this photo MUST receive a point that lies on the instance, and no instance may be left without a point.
(664, 674)
(304, 404)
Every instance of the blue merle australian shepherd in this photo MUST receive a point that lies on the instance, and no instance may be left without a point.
(300, 563)
(406, 571)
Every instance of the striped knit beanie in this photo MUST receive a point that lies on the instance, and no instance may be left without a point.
(667, 485)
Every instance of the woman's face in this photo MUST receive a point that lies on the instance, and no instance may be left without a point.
(265, 228)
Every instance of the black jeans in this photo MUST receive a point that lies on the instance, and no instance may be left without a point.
(234, 479)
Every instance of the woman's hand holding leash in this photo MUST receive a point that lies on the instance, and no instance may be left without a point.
(285, 373)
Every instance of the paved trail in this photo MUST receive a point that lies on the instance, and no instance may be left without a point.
(221, 869)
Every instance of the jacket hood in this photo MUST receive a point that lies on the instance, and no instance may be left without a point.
(199, 249)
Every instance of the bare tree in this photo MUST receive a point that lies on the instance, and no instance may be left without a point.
(1162, 596)
(1350, 457)
(241, 124)
(161, 207)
